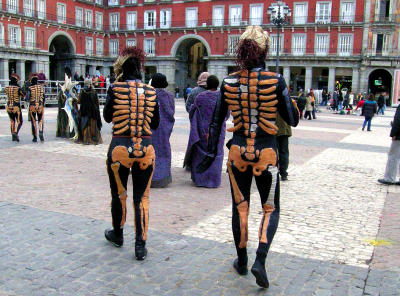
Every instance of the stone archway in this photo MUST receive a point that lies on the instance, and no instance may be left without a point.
(380, 80)
(63, 48)
(191, 53)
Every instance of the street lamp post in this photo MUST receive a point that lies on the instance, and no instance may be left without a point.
(279, 14)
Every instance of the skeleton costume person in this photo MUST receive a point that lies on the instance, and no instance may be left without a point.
(14, 94)
(35, 97)
(254, 96)
(132, 107)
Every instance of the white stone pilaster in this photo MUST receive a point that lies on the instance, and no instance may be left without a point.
(21, 70)
(286, 75)
(4, 71)
(355, 80)
(308, 79)
(331, 79)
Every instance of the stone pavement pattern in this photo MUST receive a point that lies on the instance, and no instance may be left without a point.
(331, 209)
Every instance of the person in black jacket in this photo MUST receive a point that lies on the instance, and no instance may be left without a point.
(369, 110)
(392, 164)
(133, 109)
(381, 104)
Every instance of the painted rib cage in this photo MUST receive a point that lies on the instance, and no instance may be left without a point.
(252, 100)
(12, 93)
(37, 95)
(134, 105)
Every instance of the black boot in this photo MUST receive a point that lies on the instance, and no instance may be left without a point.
(116, 239)
(240, 269)
(13, 137)
(16, 137)
(34, 139)
(140, 250)
(41, 137)
(258, 270)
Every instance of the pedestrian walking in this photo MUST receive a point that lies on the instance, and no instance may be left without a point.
(369, 111)
(282, 141)
(381, 104)
(392, 164)
(301, 103)
(176, 92)
(309, 107)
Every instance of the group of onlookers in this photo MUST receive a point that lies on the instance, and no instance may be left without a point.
(306, 102)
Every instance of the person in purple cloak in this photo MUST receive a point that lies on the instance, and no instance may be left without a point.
(160, 137)
(200, 118)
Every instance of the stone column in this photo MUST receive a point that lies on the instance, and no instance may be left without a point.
(21, 70)
(331, 79)
(363, 86)
(308, 79)
(4, 71)
(286, 76)
(355, 80)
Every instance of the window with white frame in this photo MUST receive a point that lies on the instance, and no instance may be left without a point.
(218, 16)
(79, 16)
(29, 7)
(149, 46)
(150, 19)
(235, 15)
(321, 44)
(89, 46)
(113, 2)
(99, 47)
(323, 12)
(114, 47)
(130, 2)
(114, 21)
(256, 14)
(233, 42)
(12, 6)
(29, 39)
(131, 18)
(88, 18)
(2, 37)
(61, 13)
(165, 18)
(191, 17)
(298, 44)
(387, 39)
(130, 42)
(300, 13)
(41, 9)
(347, 10)
(345, 44)
(274, 43)
(14, 36)
(98, 21)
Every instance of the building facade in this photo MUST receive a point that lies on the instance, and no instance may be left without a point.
(326, 42)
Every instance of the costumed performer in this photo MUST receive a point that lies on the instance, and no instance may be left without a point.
(132, 108)
(254, 96)
(14, 94)
(160, 137)
(36, 98)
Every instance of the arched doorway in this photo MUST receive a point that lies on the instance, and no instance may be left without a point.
(191, 56)
(63, 51)
(380, 80)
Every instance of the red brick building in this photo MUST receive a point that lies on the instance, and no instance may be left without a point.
(352, 42)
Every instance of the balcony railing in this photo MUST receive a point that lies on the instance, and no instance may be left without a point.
(19, 44)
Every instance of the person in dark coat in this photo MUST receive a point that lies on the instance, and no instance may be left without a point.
(282, 141)
(381, 104)
(201, 86)
(89, 115)
(369, 110)
(200, 118)
(160, 137)
(392, 164)
(301, 103)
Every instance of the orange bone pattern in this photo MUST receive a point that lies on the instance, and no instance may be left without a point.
(133, 108)
(13, 95)
(249, 93)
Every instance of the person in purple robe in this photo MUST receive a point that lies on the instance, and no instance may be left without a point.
(160, 137)
(200, 116)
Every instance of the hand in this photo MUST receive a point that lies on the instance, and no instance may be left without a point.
(205, 163)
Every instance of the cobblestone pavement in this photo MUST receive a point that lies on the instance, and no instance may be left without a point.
(338, 233)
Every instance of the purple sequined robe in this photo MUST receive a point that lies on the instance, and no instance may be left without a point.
(200, 118)
(160, 139)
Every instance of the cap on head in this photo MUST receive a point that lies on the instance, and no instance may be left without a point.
(257, 34)
(202, 80)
